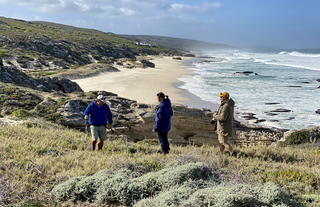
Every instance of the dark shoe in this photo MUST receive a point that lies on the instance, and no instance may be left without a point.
(234, 154)
(161, 152)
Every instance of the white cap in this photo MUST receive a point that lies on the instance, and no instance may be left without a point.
(101, 98)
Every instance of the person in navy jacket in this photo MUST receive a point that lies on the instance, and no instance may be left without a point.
(162, 123)
(100, 117)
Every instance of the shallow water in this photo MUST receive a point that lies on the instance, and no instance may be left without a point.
(285, 78)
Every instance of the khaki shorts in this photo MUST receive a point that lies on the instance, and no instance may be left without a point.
(223, 139)
(98, 133)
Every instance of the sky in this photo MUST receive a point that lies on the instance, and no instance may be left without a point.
(243, 23)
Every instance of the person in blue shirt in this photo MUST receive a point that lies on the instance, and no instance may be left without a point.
(162, 123)
(99, 115)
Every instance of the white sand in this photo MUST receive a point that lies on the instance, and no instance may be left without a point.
(141, 84)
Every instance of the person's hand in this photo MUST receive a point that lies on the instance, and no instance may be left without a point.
(86, 117)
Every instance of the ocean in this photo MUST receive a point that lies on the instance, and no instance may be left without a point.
(263, 85)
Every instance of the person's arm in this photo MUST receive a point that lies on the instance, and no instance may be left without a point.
(87, 112)
(158, 119)
(109, 116)
(223, 115)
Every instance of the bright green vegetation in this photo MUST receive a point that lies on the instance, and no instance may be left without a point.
(37, 158)
(16, 100)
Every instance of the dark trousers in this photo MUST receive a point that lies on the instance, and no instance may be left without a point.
(163, 138)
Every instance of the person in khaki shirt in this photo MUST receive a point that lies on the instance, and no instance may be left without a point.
(224, 122)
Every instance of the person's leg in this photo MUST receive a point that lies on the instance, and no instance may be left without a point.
(93, 145)
(162, 141)
(95, 136)
(100, 145)
(221, 142)
(102, 136)
(228, 148)
(222, 148)
(166, 143)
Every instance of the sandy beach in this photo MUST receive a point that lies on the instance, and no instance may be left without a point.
(143, 84)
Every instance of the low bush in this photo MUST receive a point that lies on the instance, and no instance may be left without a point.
(264, 195)
(127, 186)
(66, 190)
(21, 114)
(298, 137)
(172, 197)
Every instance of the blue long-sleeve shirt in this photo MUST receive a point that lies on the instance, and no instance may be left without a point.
(163, 116)
(98, 115)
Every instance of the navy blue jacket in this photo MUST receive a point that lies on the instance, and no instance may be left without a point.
(164, 112)
(99, 115)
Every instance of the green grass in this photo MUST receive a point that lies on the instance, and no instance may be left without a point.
(36, 158)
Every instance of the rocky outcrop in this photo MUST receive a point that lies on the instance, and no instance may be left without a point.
(17, 77)
(147, 64)
(59, 84)
(125, 111)
(318, 111)
(72, 113)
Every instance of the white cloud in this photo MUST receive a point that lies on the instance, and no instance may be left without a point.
(204, 7)
(120, 8)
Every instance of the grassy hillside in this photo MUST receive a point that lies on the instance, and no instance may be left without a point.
(43, 45)
(178, 43)
(37, 157)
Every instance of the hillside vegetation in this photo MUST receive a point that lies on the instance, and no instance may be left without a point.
(37, 159)
(178, 43)
(43, 45)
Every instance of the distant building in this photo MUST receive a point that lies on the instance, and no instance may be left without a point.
(146, 43)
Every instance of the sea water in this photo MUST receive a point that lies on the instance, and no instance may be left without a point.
(286, 79)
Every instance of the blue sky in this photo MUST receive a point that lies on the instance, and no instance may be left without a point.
(244, 23)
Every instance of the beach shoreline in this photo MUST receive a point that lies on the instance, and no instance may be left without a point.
(142, 85)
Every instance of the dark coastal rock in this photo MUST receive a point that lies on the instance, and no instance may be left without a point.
(177, 58)
(147, 64)
(207, 61)
(295, 86)
(203, 56)
(318, 80)
(1, 62)
(281, 110)
(291, 118)
(260, 121)
(249, 116)
(318, 111)
(306, 82)
(189, 55)
(272, 103)
(271, 114)
(246, 73)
